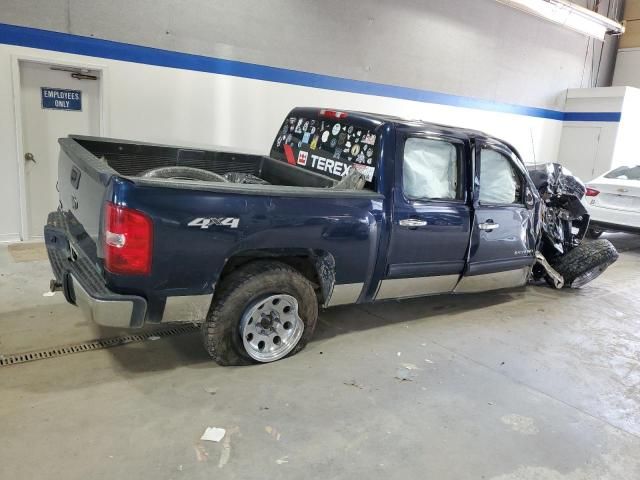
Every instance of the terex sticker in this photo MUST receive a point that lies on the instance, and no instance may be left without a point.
(204, 223)
(334, 167)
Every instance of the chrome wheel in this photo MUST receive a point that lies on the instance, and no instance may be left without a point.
(271, 327)
(587, 276)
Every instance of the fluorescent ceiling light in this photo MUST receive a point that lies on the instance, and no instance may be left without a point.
(570, 15)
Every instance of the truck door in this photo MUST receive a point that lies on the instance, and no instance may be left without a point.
(502, 247)
(430, 217)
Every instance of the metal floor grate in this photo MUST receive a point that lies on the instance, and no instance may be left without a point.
(16, 358)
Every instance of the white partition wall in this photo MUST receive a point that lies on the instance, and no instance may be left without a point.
(591, 148)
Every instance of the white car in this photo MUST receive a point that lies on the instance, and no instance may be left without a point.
(613, 201)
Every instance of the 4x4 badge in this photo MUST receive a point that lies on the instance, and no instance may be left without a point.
(204, 223)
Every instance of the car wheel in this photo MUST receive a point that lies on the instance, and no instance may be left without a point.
(594, 233)
(262, 312)
(585, 262)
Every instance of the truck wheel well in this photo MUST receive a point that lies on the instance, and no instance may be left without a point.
(317, 266)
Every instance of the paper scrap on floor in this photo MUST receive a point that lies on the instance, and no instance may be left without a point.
(213, 434)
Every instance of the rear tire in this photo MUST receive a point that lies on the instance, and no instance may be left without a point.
(594, 233)
(241, 297)
(585, 262)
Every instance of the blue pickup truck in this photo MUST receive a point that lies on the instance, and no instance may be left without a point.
(347, 208)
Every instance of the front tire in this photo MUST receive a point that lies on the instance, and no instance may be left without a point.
(262, 312)
(585, 262)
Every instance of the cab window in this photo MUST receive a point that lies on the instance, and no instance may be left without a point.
(431, 170)
(499, 181)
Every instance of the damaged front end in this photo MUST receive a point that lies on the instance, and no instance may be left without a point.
(564, 218)
(563, 259)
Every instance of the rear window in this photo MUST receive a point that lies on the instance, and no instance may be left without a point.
(328, 146)
(625, 173)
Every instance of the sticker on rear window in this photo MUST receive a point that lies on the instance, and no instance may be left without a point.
(326, 147)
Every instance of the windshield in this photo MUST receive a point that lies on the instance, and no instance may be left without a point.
(625, 173)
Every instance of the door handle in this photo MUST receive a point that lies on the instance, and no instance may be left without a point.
(412, 222)
(28, 157)
(488, 226)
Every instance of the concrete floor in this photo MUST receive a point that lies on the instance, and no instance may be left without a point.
(531, 384)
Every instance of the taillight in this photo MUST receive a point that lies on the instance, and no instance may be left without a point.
(333, 114)
(592, 192)
(128, 240)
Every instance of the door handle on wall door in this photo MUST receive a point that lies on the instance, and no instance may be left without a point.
(412, 222)
(488, 226)
(28, 157)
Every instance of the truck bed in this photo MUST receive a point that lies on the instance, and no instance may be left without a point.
(131, 159)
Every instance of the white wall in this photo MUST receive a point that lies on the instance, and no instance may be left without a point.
(167, 105)
(594, 100)
(618, 143)
(626, 150)
(474, 48)
(627, 71)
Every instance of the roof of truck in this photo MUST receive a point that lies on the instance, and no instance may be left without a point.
(383, 118)
(380, 118)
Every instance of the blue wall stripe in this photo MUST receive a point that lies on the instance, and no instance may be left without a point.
(592, 116)
(68, 43)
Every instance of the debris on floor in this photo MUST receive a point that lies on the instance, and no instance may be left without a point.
(201, 454)
(353, 383)
(48, 294)
(406, 372)
(210, 390)
(282, 460)
(410, 366)
(275, 434)
(225, 454)
(213, 434)
(154, 337)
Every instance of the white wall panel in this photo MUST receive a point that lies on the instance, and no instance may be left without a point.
(627, 71)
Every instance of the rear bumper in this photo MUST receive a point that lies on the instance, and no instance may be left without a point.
(83, 286)
(110, 312)
(618, 220)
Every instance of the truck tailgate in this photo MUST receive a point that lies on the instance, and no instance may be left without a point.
(82, 182)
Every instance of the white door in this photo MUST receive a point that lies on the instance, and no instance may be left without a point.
(579, 151)
(66, 106)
